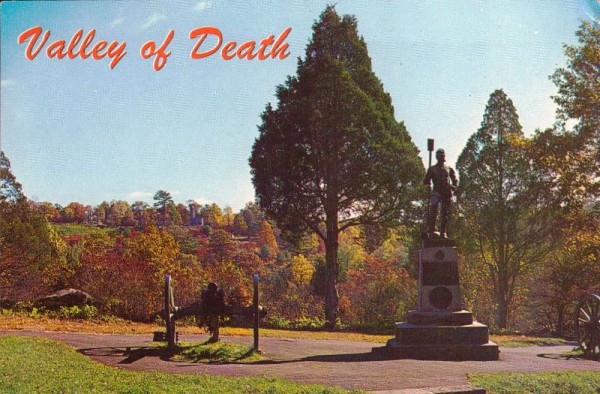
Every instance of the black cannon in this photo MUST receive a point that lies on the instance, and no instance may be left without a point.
(587, 324)
(208, 311)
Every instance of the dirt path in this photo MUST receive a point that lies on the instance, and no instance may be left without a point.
(341, 363)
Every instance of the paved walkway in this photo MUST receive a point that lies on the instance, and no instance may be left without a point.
(341, 363)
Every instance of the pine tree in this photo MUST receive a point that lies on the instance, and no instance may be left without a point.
(331, 154)
(163, 201)
(501, 200)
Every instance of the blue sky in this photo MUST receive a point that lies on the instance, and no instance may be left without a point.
(75, 130)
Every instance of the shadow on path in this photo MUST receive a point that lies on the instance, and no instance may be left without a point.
(133, 354)
(565, 357)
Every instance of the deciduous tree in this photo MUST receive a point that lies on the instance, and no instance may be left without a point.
(10, 189)
(158, 249)
(49, 211)
(222, 247)
(302, 270)
(79, 212)
(139, 210)
(213, 215)
(118, 212)
(28, 245)
(267, 237)
(101, 212)
(579, 82)
(578, 98)
(184, 214)
(239, 224)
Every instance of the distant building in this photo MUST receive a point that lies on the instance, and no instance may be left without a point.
(194, 219)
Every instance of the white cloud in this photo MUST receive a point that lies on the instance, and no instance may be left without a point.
(116, 22)
(203, 201)
(7, 82)
(202, 5)
(138, 195)
(152, 20)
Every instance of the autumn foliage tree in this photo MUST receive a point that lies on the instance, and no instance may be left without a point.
(122, 284)
(222, 248)
(267, 238)
(331, 154)
(573, 269)
(157, 248)
(578, 95)
(570, 159)
(239, 224)
(28, 245)
(377, 294)
(78, 212)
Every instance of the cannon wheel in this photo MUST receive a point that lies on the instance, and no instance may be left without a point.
(587, 324)
(169, 312)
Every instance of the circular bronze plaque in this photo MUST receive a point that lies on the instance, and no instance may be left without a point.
(440, 297)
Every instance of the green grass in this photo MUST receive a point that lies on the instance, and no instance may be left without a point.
(37, 365)
(76, 229)
(217, 353)
(531, 341)
(577, 352)
(565, 382)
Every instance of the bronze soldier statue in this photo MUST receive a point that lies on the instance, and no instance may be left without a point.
(444, 186)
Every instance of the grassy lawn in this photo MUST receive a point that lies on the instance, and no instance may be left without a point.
(217, 353)
(35, 365)
(523, 341)
(565, 382)
(76, 229)
(118, 326)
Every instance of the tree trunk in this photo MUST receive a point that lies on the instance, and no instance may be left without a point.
(503, 301)
(331, 260)
(502, 314)
(560, 324)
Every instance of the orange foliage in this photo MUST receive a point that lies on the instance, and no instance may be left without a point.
(377, 293)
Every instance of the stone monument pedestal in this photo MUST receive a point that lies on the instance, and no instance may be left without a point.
(440, 329)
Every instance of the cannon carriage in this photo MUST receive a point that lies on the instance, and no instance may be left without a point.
(587, 324)
(208, 312)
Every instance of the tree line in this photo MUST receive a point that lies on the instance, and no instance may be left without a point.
(123, 267)
(164, 212)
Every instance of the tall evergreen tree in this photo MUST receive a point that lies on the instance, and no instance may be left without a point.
(163, 202)
(501, 200)
(331, 154)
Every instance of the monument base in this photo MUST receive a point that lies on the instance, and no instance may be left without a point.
(484, 352)
(440, 318)
(428, 340)
(439, 329)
